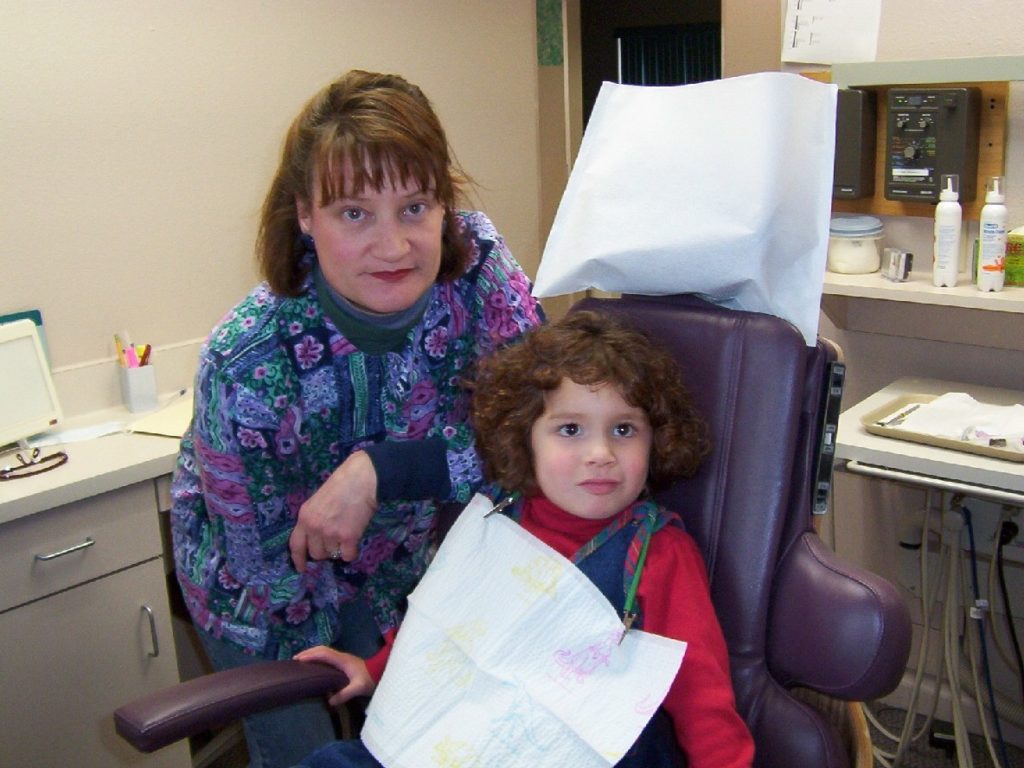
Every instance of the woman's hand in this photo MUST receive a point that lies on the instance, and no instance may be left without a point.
(331, 521)
(359, 681)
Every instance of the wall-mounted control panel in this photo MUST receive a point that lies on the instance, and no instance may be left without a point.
(931, 132)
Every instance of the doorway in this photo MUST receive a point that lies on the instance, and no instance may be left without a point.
(663, 43)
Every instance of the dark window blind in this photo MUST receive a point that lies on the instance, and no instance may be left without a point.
(670, 55)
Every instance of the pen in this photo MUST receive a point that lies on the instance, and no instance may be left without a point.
(899, 417)
(146, 349)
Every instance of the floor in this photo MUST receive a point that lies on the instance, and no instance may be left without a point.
(923, 755)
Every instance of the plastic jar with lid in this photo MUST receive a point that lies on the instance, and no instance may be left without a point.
(855, 244)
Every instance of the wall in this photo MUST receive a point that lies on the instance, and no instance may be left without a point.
(962, 345)
(748, 44)
(138, 138)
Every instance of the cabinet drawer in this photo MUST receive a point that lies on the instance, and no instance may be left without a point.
(68, 661)
(122, 526)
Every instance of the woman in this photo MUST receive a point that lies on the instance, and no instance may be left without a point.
(330, 418)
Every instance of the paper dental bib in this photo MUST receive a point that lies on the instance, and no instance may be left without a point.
(509, 657)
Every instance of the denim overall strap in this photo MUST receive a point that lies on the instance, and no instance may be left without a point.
(645, 519)
(607, 566)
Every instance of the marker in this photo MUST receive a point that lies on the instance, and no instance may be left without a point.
(120, 351)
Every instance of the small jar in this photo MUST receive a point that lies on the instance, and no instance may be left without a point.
(855, 244)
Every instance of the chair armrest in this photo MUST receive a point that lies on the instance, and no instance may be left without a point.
(210, 701)
(836, 628)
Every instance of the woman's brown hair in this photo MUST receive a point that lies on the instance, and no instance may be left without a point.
(591, 349)
(376, 125)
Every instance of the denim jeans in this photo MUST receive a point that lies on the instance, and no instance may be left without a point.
(350, 753)
(282, 737)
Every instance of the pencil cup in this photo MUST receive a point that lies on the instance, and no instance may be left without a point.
(138, 388)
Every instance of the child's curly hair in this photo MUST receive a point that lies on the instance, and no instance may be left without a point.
(589, 348)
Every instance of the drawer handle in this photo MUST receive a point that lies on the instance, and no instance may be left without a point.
(89, 541)
(152, 632)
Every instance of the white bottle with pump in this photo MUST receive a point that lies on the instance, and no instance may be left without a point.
(948, 218)
(992, 237)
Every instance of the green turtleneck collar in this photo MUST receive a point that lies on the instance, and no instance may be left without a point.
(369, 333)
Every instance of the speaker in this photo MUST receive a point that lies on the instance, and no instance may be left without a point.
(854, 170)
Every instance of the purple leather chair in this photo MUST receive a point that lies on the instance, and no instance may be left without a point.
(796, 618)
(793, 613)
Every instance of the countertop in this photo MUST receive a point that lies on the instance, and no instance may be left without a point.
(96, 465)
(855, 443)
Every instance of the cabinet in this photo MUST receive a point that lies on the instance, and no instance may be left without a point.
(84, 627)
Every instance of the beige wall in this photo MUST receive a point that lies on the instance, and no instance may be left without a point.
(751, 36)
(138, 137)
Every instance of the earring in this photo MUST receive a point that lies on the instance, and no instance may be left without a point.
(307, 241)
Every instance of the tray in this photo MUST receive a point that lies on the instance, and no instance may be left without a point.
(871, 420)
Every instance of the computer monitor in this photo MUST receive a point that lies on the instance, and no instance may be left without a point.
(28, 399)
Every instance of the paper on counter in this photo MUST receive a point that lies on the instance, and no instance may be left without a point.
(78, 435)
(509, 657)
(170, 420)
(721, 188)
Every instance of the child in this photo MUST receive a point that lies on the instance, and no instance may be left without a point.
(580, 421)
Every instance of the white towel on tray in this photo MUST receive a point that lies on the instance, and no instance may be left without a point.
(958, 416)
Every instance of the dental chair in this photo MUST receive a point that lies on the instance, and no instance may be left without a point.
(802, 626)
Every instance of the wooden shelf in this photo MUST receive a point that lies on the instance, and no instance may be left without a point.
(919, 290)
(970, 69)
